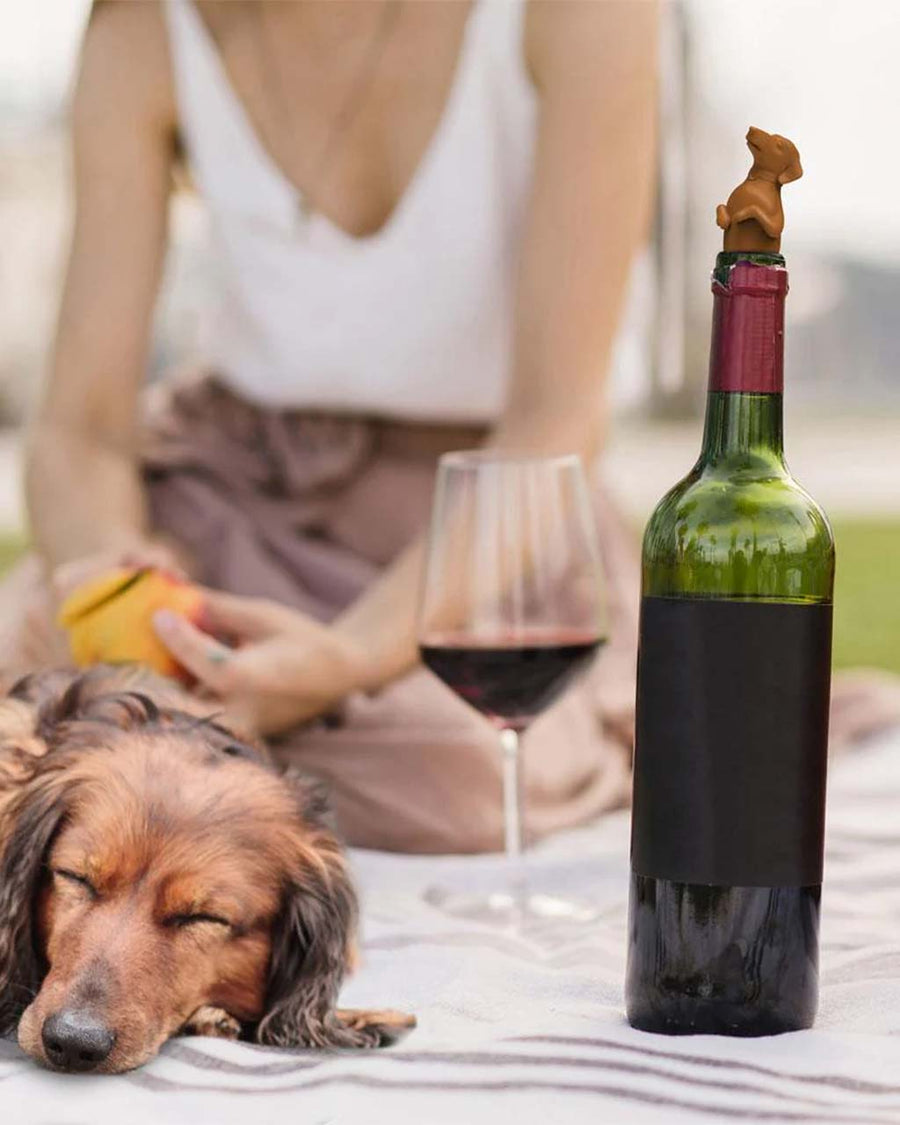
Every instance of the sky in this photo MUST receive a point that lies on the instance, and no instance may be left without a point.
(824, 72)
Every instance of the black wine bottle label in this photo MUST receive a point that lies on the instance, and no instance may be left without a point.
(731, 742)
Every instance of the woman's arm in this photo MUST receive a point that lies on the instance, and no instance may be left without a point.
(83, 488)
(594, 68)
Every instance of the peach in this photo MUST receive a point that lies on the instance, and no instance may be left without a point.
(110, 618)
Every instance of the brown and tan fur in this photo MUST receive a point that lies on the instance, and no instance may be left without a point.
(158, 876)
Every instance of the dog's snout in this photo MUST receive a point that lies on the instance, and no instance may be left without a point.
(76, 1040)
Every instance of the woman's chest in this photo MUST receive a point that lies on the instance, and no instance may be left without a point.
(347, 113)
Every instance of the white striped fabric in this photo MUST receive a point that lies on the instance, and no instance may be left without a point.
(530, 1028)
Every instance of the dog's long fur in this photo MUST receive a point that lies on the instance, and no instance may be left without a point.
(163, 812)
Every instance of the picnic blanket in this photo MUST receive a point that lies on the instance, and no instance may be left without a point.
(528, 1026)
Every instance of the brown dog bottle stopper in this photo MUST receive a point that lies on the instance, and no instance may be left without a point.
(753, 218)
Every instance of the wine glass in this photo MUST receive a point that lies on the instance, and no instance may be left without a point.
(512, 610)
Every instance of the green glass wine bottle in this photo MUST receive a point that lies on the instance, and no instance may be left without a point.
(733, 694)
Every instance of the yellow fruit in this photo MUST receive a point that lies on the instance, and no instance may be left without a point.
(109, 619)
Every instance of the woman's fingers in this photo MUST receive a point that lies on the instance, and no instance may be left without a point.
(66, 578)
(248, 619)
(154, 556)
(202, 655)
(69, 576)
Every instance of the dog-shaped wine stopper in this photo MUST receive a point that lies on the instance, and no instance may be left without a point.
(753, 218)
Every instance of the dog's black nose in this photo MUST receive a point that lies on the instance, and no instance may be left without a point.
(76, 1040)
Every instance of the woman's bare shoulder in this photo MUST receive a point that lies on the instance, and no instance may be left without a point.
(575, 42)
(125, 65)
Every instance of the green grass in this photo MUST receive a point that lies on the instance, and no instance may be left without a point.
(867, 602)
(11, 547)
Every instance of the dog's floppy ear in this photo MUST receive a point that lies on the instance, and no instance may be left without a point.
(36, 775)
(793, 172)
(312, 934)
(308, 964)
(312, 946)
(27, 827)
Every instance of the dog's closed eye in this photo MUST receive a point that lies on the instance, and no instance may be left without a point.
(73, 877)
(180, 921)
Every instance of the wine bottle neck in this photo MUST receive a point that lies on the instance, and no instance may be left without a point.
(741, 425)
(746, 362)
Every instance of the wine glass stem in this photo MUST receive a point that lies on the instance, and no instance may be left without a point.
(512, 799)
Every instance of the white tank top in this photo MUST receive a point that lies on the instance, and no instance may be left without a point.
(414, 321)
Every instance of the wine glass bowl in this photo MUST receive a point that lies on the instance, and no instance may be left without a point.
(510, 680)
(513, 606)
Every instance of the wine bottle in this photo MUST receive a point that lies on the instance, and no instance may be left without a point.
(732, 706)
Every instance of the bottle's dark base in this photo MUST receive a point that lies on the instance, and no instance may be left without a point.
(709, 1020)
(740, 961)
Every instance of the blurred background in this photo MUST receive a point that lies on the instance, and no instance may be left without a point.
(822, 72)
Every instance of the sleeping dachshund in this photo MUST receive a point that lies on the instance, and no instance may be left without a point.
(158, 876)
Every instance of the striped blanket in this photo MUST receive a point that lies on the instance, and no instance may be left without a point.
(528, 1026)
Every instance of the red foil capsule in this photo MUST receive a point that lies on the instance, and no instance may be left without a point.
(747, 349)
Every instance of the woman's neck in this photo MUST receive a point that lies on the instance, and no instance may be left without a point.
(323, 25)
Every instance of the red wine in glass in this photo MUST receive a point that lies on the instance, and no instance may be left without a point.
(511, 679)
(512, 609)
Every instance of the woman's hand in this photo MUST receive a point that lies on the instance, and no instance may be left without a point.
(280, 668)
(149, 554)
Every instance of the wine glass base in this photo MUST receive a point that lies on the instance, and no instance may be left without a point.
(515, 908)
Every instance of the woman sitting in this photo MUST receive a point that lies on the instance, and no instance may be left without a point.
(423, 217)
